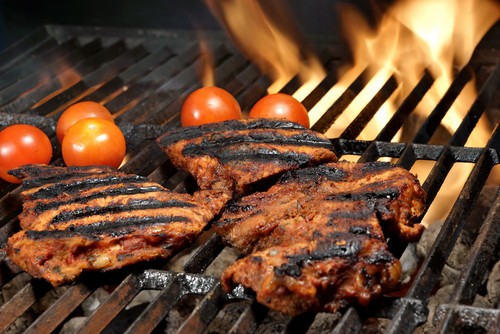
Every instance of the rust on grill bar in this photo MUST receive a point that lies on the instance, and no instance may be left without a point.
(143, 78)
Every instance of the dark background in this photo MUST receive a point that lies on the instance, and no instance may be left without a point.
(19, 17)
(312, 17)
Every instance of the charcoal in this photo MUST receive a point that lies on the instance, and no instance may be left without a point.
(493, 285)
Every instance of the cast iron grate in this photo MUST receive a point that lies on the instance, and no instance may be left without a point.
(143, 77)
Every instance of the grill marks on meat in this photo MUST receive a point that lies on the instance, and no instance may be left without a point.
(236, 155)
(96, 218)
(315, 238)
(323, 274)
(391, 192)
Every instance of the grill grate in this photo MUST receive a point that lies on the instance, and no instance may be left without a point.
(143, 77)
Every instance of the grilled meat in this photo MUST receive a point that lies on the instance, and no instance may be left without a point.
(236, 155)
(338, 266)
(392, 192)
(95, 218)
(316, 237)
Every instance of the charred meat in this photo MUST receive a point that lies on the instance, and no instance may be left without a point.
(238, 154)
(391, 192)
(316, 239)
(344, 262)
(95, 218)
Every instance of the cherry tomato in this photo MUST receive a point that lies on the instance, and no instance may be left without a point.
(281, 106)
(78, 111)
(209, 105)
(22, 144)
(93, 141)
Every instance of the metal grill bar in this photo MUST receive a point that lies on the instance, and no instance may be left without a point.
(23, 48)
(484, 97)
(72, 59)
(431, 123)
(334, 111)
(22, 301)
(350, 322)
(170, 113)
(320, 90)
(409, 104)
(94, 79)
(168, 91)
(51, 53)
(151, 81)
(200, 260)
(427, 276)
(365, 115)
(249, 320)
(156, 311)
(399, 116)
(49, 320)
(204, 313)
(93, 63)
(467, 319)
(108, 310)
(479, 259)
(328, 60)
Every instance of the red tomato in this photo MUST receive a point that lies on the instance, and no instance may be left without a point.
(78, 111)
(22, 144)
(209, 105)
(281, 106)
(94, 141)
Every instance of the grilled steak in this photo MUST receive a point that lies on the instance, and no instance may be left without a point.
(95, 218)
(343, 262)
(236, 155)
(316, 239)
(392, 192)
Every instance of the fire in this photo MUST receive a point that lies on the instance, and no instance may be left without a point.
(66, 77)
(411, 38)
(414, 36)
(206, 68)
(265, 32)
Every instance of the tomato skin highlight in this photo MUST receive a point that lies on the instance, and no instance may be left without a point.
(280, 106)
(79, 111)
(93, 141)
(209, 105)
(22, 144)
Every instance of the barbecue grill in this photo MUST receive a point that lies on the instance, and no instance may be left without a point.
(143, 77)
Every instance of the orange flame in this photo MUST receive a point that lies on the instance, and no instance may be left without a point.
(206, 68)
(265, 33)
(414, 36)
(66, 77)
(410, 38)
